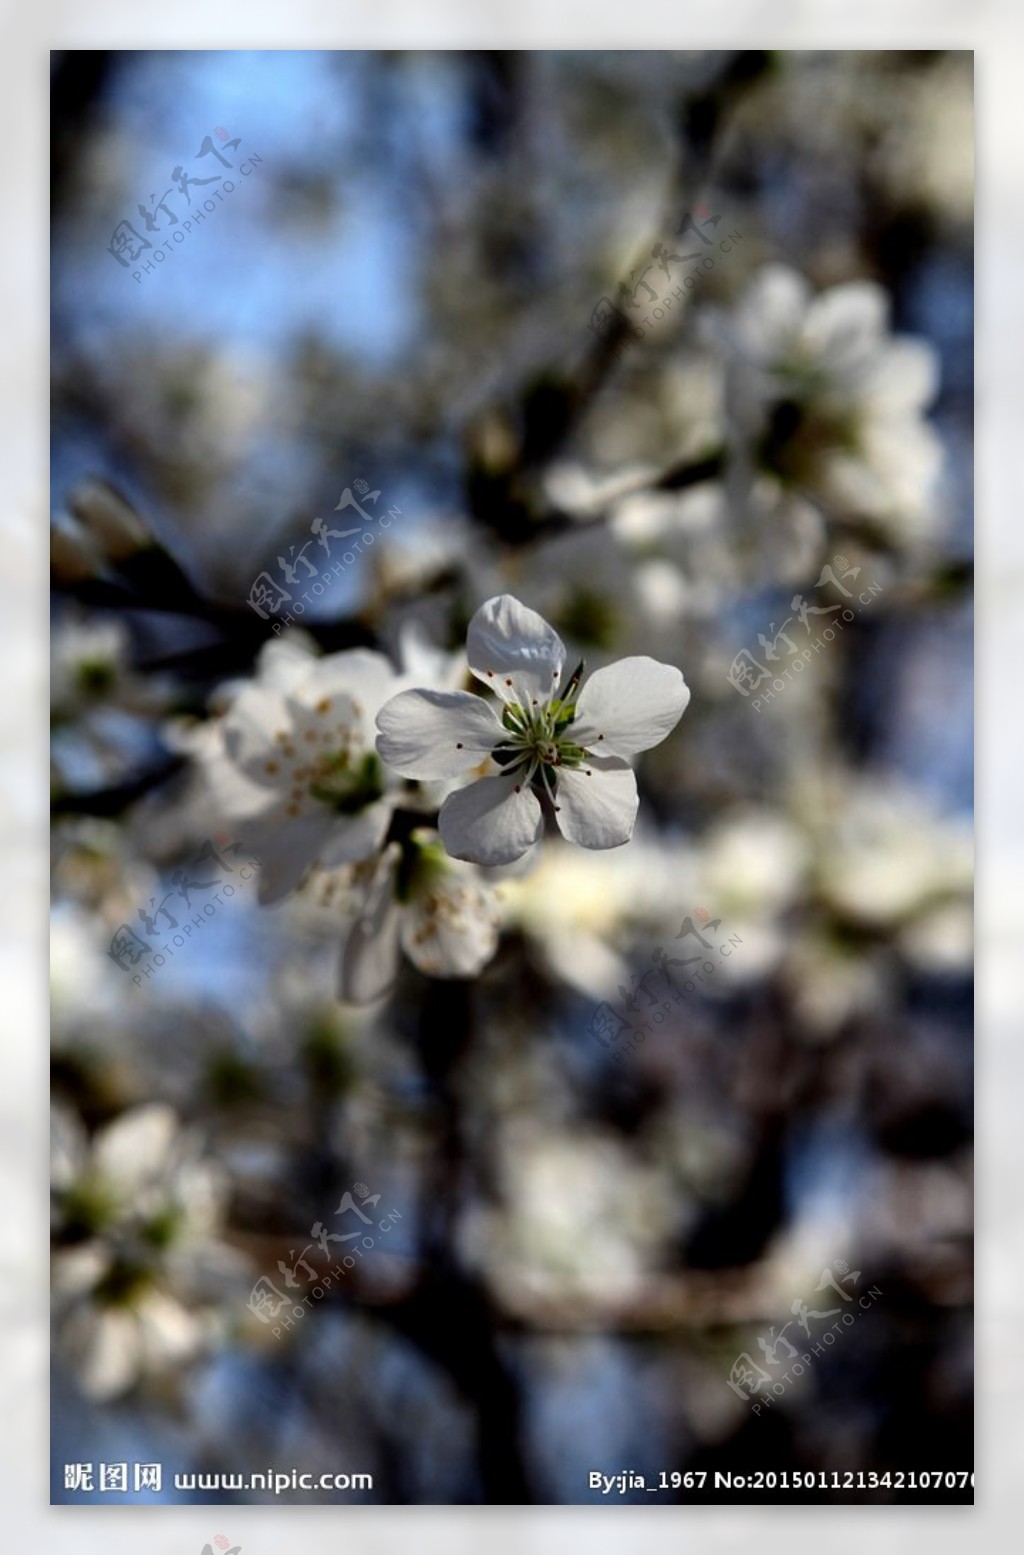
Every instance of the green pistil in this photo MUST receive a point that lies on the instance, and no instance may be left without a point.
(123, 1282)
(88, 1207)
(348, 786)
(160, 1230)
(95, 676)
(537, 744)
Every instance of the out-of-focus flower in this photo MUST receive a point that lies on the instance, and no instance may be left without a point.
(549, 738)
(925, 152)
(90, 669)
(291, 765)
(581, 910)
(103, 531)
(581, 1220)
(417, 899)
(781, 536)
(884, 856)
(941, 941)
(829, 983)
(100, 707)
(87, 664)
(109, 519)
(821, 397)
(599, 595)
(136, 1215)
(886, 877)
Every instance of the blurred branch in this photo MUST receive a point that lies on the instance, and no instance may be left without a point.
(119, 796)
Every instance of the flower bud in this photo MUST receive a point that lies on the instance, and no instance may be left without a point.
(109, 520)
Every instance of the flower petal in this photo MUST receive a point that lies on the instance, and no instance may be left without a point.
(843, 330)
(286, 846)
(365, 678)
(452, 930)
(629, 706)
(904, 378)
(136, 1147)
(493, 821)
(514, 651)
(355, 837)
(104, 1346)
(771, 313)
(436, 734)
(256, 720)
(596, 804)
(369, 955)
(284, 661)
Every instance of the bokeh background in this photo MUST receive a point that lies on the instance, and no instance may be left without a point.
(402, 292)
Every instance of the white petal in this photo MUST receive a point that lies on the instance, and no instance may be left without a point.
(493, 821)
(283, 662)
(77, 1270)
(105, 1347)
(628, 707)
(436, 734)
(355, 837)
(286, 847)
(367, 678)
(844, 328)
(904, 378)
(135, 1148)
(596, 804)
(770, 314)
(235, 797)
(69, 1147)
(369, 956)
(256, 717)
(168, 1333)
(286, 844)
(452, 930)
(424, 664)
(514, 651)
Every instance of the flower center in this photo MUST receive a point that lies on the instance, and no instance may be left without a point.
(345, 783)
(537, 743)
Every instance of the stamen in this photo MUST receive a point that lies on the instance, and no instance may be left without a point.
(549, 787)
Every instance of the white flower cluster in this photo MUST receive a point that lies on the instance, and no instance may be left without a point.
(298, 776)
(824, 403)
(139, 1262)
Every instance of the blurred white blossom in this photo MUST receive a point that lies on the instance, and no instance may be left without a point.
(137, 1212)
(415, 899)
(582, 1219)
(291, 765)
(822, 397)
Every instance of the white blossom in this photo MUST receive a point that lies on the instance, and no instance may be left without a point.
(820, 395)
(414, 898)
(137, 1212)
(544, 739)
(579, 1220)
(291, 765)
